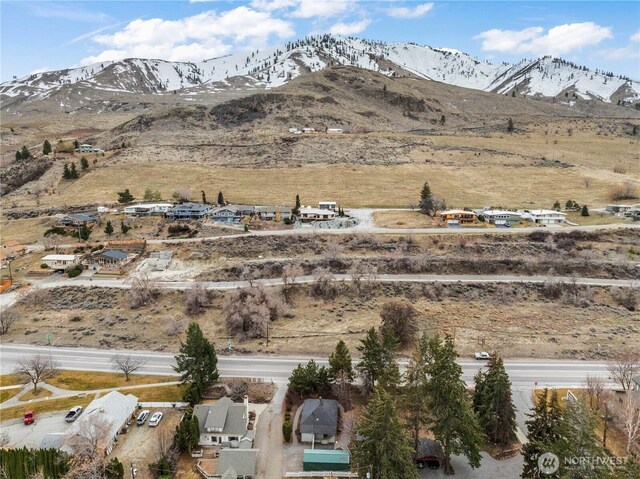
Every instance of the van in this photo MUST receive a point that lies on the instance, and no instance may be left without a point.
(142, 417)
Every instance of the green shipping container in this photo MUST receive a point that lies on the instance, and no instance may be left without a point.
(325, 460)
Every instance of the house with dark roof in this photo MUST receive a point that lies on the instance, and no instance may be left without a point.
(319, 421)
(222, 422)
(237, 463)
(79, 219)
(274, 213)
(112, 258)
(188, 211)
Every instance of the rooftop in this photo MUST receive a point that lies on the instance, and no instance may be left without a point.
(319, 416)
(59, 257)
(242, 461)
(457, 212)
(114, 254)
(224, 417)
(326, 456)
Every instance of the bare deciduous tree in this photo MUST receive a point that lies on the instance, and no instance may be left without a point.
(333, 251)
(623, 366)
(36, 369)
(324, 285)
(127, 364)
(7, 319)
(399, 318)
(362, 276)
(143, 291)
(196, 298)
(587, 181)
(174, 326)
(247, 275)
(248, 310)
(630, 414)
(289, 274)
(596, 392)
(181, 194)
(52, 241)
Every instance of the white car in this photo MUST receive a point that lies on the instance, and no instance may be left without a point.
(155, 419)
(483, 355)
(142, 417)
(73, 414)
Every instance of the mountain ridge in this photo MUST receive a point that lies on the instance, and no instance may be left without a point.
(545, 77)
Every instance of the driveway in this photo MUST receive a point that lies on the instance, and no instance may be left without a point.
(32, 435)
(269, 437)
(490, 468)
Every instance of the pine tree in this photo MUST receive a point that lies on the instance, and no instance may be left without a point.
(510, 125)
(452, 421)
(46, 147)
(390, 376)
(125, 196)
(340, 365)
(382, 447)
(443, 120)
(426, 200)
(124, 228)
(414, 400)
(76, 144)
(73, 172)
(204, 198)
(197, 364)
(84, 232)
(109, 228)
(296, 210)
(84, 163)
(25, 154)
(371, 365)
(18, 156)
(584, 211)
(114, 469)
(496, 412)
(66, 173)
(478, 392)
(556, 206)
(220, 198)
(543, 430)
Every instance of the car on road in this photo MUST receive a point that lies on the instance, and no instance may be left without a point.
(29, 417)
(483, 355)
(155, 419)
(73, 414)
(142, 417)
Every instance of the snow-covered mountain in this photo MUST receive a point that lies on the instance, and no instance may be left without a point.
(272, 67)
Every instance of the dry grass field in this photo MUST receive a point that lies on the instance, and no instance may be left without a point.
(405, 219)
(87, 381)
(45, 406)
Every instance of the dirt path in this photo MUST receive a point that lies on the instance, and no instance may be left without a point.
(269, 437)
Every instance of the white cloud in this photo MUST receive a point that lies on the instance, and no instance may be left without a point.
(68, 12)
(349, 28)
(205, 35)
(635, 37)
(405, 12)
(322, 8)
(557, 41)
(624, 53)
(271, 5)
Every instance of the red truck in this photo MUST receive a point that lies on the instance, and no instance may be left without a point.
(29, 417)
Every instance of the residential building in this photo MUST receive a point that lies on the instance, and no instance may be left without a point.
(328, 205)
(295, 131)
(544, 217)
(112, 258)
(226, 214)
(335, 131)
(618, 209)
(274, 213)
(86, 148)
(320, 460)
(429, 453)
(148, 209)
(237, 463)
(61, 261)
(222, 422)
(79, 219)
(189, 211)
(319, 421)
(309, 130)
(458, 217)
(502, 217)
(113, 411)
(316, 214)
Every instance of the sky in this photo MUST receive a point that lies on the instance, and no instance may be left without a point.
(51, 35)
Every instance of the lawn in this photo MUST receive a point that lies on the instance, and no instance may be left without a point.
(594, 219)
(45, 406)
(171, 393)
(88, 381)
(404, 219)
(30, 394)
(6, 394)
(9, 380)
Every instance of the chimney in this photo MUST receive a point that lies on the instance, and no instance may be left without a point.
(246, 409)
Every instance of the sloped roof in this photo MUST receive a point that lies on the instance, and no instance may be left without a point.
(326, 456)
(429, 448)
(242, 462)
(319, 416)
(224, 417)
(114, 254)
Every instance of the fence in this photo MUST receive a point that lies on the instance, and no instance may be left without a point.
(163, 404)
(321, 474)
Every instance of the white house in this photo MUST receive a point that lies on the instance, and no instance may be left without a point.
(61, 261)
(110, 413)
(147, 209)
(309, 130)
(544, 217)
(86, 148)
(335, 131)
(502, 217)
(327, 205)
(316, 214)
(222, 422)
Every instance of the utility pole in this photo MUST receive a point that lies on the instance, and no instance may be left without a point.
(268, 332)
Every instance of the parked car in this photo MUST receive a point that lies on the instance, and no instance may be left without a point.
(73, 414)
(483, 355)
(29, 417)
(142, 417)
(155, 419)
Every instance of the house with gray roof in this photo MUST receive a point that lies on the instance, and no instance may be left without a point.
(79, 219)
(188, 211)
(237, 463)
(429, 453)
(112, 258)
(319, 420)
(222, 422)
(274, 213)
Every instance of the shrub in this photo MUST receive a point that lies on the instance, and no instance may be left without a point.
(624, 191)
(44, 266)
(287, 430)
(75, 271)
(399, 318)
(626, 297)
(249, 310)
